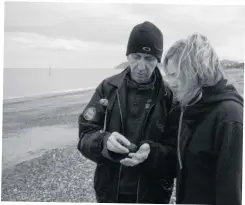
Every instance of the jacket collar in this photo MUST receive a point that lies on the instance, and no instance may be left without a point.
(118, 80)
(145, 86)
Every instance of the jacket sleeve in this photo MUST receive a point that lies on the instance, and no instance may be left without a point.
(90, 124)
(229, 164)
(162, 158)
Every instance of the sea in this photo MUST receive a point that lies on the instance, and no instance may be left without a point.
(26, 82)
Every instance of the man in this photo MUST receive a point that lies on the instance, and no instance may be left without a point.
(126, 109)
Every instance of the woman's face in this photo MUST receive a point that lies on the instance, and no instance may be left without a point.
(173, 78)
(181, 85)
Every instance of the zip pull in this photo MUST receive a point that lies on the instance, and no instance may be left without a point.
(105, 121)
(104, 102)
(119, 104)
(178, 138)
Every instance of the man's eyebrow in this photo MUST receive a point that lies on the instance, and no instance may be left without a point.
(136, 54)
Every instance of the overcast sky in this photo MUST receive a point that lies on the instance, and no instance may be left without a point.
(79, 35)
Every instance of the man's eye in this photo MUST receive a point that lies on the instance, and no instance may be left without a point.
(136, 57)
(149, 58)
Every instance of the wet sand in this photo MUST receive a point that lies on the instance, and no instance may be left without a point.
(33, 126)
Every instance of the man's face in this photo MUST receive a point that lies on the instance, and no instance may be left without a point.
(141, 66)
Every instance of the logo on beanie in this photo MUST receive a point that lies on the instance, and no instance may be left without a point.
(147, 49)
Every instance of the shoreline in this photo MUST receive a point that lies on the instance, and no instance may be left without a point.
(18, 99)
(37, 96)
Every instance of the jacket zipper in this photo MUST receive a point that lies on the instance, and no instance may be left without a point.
(180, 127)
(118, 183)
(178, 138)
(120, 170)
(119, 104)
(105, 121)
(138, 186)
(178, 141)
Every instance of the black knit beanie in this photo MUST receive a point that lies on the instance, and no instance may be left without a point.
(146, 38)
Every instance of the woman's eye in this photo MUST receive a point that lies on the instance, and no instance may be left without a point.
(172, 75)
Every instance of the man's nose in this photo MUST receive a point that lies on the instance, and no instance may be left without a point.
(141, 64)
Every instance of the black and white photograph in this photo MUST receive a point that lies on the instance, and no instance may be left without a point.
(122, 102)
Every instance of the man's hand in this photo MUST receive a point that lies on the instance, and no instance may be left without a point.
(115, 143)
(136, 158)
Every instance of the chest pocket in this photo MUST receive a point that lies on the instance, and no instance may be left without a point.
(201, 147)
(156, 123)
(113, 122)
(198, 145)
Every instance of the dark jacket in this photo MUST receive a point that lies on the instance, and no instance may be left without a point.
(157, 172)
(211, 148)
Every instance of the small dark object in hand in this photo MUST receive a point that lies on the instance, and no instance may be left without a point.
(132, 147)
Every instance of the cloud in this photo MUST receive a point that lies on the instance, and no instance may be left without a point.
(32, 40)
(112, 23)
(92, 22)
(30, 50)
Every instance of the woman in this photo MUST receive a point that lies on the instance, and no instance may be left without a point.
(210, 125)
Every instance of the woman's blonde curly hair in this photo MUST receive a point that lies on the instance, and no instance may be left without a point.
(197, 63)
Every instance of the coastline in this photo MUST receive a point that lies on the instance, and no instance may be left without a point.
(46, 95)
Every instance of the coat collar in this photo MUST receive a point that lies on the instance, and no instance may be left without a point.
(118, 80)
